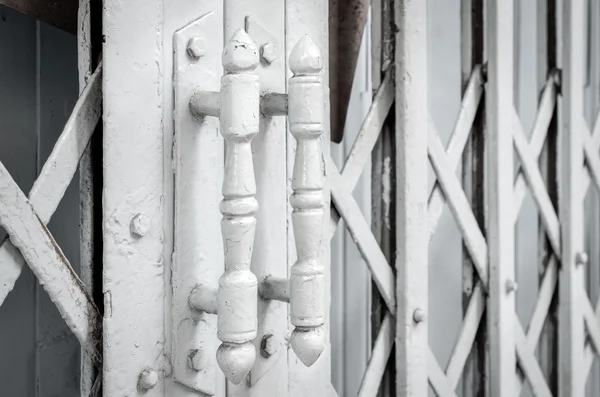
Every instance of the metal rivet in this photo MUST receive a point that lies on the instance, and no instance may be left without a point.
(419, 315)
(140, 225)
(268, 53)
(511, 285)
(196, 47)
(148, 379)
(196, 360)
(581, 258)
(268, 346)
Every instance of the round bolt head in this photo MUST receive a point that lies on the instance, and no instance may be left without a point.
(196, 360)
(268, 346)
(581, 258)
(268, 53)
(419, 315)
(196, 47)
(140, 225)
(511, 286)
(148, 379)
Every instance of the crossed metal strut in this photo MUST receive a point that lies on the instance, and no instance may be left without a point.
(25, 219)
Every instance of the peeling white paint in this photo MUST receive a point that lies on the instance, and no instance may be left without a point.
(386, 195)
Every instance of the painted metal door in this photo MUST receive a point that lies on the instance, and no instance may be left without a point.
(216, 220)
(215, 232)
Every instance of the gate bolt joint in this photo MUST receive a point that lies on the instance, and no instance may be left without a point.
(268, 346)
(419, 315)
(268, 53)
(581, 258)
(196, 47)
(511, 286)
(147, 380)
(196, 360)
(140, 225)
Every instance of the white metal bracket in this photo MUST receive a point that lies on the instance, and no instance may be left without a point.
(198, 166)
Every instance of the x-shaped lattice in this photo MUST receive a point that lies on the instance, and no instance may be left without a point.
(591, 173)
(25, 219)
(448, 187)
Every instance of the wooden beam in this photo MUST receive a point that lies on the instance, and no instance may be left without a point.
(58, 13)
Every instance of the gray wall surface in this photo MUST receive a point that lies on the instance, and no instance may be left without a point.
(39, 356)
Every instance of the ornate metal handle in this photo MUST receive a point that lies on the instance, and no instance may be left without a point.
(304, 105)
(235, 301)
(237, 106)
(307, 281)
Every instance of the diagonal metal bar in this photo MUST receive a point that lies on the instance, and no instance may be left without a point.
(464, 343)
(591, 323)
(437, 378)
(462, 129)
(380, 355)
(529, 365)
(29, 235)
(540, 312)
(591, 157)
(360, 231)
(456, 145)
(586, 176)
(542, 305)
(540, 125)
(589, 349)
(472, 235)
(57, 173)
(469, 328)
(539, 132)
(376, 261)
(596, 130)
(366, 139)
(369, 132)
(537, 187)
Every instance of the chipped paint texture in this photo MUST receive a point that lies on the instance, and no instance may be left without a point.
(57, 173)
(198, 253)
(309, 18)
(238, 291)
(134, 329)
(307, 302)
(32, 239)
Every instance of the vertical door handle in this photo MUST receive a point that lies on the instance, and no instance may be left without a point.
(304, 290)
(306, 123)
(235, 299)
(238, 106)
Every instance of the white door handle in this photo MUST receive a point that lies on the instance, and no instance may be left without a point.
(238, 107)
(307, 282)
(305, 290)
(235, 301)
